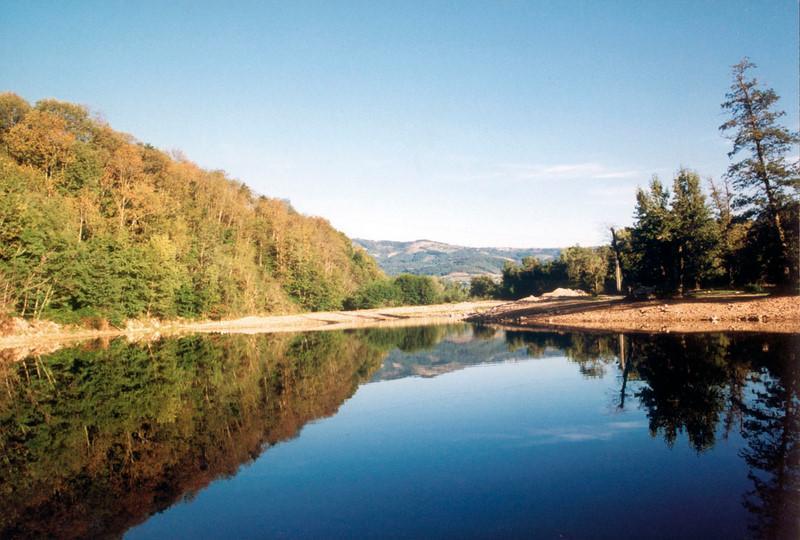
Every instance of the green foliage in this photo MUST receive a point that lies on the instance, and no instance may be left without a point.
(381, 293)
(533, 278)
(453, 291)
(483, 287)
(95, 224)
(695, 233)
(766, 180)
(674, 244)
(406, 289)
(586, 267)
(417, 290)
(651, 238)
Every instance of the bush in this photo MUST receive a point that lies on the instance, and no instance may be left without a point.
(754, 288)
(417, 290)
(376, 294)
(404, 290)
(454, 291)
(483, 287)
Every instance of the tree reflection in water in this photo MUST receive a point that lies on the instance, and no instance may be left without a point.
(95, 439)
(701, 384)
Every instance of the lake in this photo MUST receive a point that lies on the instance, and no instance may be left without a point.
(454, 431)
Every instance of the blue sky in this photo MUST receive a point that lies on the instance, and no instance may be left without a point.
(479, 123)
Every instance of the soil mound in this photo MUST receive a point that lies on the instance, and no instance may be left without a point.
(561, 293)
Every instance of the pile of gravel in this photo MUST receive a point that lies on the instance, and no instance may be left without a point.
(561, 293)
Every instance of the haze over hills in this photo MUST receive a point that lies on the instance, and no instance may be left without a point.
(428, 257)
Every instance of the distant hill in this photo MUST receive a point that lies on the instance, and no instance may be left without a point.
(427, 257)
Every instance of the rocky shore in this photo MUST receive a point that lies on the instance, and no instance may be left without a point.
(723, 312)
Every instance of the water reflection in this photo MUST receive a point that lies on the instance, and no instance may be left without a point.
(704, 384)
(96, 439)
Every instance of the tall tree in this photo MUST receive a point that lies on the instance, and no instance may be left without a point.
(764, 179)
(695, 234)
(651, 237)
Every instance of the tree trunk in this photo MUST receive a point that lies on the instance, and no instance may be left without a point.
(617, 265)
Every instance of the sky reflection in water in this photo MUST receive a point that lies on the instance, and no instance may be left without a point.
(456, 433)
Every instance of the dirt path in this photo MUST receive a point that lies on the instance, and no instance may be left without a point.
(47, 337)
(733, 312)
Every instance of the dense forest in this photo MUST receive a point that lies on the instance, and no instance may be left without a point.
(94, 224)
(745, 234)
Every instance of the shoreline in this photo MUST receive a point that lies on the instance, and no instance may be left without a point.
(48, 336)
(723, 313)
(718, 313)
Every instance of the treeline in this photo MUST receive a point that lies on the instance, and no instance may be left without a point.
(94, 224)
(744, 235)
(407, 290)
(577, 267)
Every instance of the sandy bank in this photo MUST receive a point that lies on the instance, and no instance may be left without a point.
(47, 336)
(732, 312)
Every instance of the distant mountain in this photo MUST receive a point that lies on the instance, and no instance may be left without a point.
(427, 257)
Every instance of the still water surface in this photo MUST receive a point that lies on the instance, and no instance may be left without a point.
(439, 431)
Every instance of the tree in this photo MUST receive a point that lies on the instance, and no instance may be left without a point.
(651, 237)
(732, 229)
(41, 140)
(764, 178)
(376, 294)
(417, 290)
(586, 267)
(12, 109)
(532, 277)
(120, 178)
(616, 249)
(694, 232)
(95, 225)
(482, 287)
(76, 117)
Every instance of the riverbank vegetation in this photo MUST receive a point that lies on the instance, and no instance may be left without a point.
(97, 226)
(743, 234)
(407, 290)
(94, 224)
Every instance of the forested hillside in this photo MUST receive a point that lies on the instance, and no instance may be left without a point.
(95, 224)
(425, 257)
